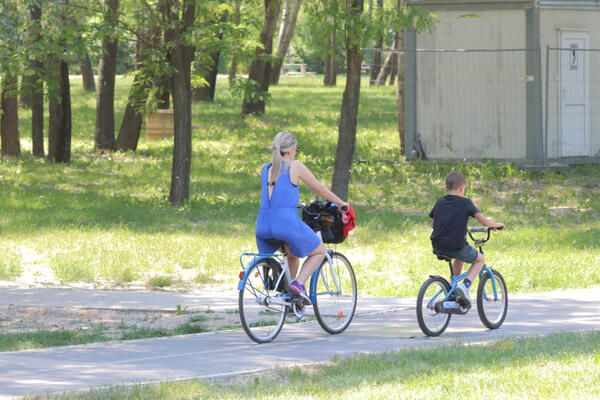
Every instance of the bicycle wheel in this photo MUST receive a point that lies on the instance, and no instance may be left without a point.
(335, 301)
(430, 321)
(492, 309)
(262, 320)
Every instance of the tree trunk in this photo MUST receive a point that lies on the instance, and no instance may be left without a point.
(87, 74)
(163, 95)
(37, 88)
(384, 72)
(234, 55)
(400, 86)
(330, 70)
(376, 63)
(350, 101)
(207, 93)
(9, 122)
(286, 32)
(59, 126)
(129, 133)
(27, 81)
(105, 104)
(394, 68)
(260, 70)
(181, 57)
(37, 116)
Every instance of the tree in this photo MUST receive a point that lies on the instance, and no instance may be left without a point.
(207, 61)
(376, 62)
(286, 31)
(36, 83)
(129, 133)
(259, 76)
(10, 65)
(387, 66)
(330, 69)
(87, 74)
(347, 126)
(181, 17)
(234, 55)
(105, 108)
(9, 121)
(59, 125)
(357, 29)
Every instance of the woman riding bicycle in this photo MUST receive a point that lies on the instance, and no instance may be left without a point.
(278, 217)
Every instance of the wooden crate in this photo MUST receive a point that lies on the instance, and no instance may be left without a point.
(159, 124)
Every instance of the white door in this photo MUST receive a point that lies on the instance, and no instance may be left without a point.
(574, 103)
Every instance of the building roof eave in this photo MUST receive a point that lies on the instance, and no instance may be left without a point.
(474, 4)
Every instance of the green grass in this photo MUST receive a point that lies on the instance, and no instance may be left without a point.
(106, 219)
(98, 333)
(565, 366)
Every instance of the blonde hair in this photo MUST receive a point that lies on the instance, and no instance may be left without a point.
(284, 142)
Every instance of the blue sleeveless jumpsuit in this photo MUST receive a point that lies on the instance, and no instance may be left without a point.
(278, 217)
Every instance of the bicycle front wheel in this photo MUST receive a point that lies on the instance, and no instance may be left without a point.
(335, 300)
(431, 322)
(492, 306)
(261, 318)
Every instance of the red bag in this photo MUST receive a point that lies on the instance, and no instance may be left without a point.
(349, 220)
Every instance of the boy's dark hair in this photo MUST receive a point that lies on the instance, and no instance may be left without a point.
(454, 179)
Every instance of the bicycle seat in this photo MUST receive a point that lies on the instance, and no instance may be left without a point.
(443, 257)
(275, 242)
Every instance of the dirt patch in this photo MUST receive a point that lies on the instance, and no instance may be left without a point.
(16, 319)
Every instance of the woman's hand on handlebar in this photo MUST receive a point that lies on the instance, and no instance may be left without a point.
(343, 206)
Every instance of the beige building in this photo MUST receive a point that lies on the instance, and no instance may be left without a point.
(513, 80)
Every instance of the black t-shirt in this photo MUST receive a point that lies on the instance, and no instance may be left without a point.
(450, 216)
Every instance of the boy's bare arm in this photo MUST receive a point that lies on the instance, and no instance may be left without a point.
(485, 221)
(431, 223)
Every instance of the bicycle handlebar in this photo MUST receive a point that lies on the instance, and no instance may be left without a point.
(481, 229)
(302, 205)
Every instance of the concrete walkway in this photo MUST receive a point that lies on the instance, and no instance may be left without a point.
(382, 325)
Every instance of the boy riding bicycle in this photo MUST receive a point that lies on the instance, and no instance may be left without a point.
(449, 218)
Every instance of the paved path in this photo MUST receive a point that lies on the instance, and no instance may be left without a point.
(221, 353)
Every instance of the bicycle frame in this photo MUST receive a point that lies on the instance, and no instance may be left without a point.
(281, 258)
(455, 280)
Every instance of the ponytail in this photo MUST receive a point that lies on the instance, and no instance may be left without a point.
(284, 142)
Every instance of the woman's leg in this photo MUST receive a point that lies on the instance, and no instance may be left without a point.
(312, 262)
(293, 262)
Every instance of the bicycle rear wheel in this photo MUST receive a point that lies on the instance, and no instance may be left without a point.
(261, 318)
(335, 300)
(492, 308)
(431, 322)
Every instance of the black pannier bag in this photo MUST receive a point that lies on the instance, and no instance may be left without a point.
(326, 218)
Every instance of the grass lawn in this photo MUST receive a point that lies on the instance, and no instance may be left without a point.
(565, 366)
(105, 220)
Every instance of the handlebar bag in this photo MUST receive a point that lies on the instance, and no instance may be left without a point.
(324, 217)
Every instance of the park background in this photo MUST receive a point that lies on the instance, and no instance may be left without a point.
(102, 218)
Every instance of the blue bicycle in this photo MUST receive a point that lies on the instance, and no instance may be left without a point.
(264, 299)
(437, 300)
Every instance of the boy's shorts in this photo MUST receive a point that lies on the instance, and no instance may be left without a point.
(467, 254)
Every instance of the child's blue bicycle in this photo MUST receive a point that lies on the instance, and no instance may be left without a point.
(437, 300)
(264, 299)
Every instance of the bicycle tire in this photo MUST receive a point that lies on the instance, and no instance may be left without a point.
(334, 311)
(262, 322)
(485, 302)
(432, 328)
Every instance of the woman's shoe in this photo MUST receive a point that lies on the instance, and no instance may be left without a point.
(298, 289)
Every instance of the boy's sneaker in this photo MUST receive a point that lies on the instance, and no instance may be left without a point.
(463, 292)
(298, 289)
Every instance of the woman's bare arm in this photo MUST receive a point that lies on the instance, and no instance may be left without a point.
(301, 172)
